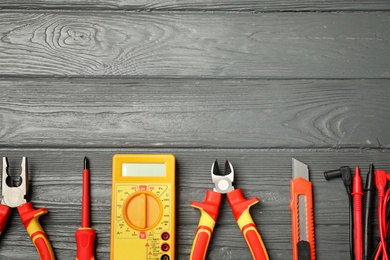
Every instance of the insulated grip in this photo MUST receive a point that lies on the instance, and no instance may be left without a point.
(302, 187)
(4, 215)
(209, 214)
(85, 241)
(240, 208)
(30, 219)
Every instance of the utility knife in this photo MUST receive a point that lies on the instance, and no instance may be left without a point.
(301, 205)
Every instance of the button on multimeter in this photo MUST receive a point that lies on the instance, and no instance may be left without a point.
(143, 206)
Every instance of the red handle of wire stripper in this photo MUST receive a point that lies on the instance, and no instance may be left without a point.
(30, 219)
(240, 208)
(4, 215)
(209, 213)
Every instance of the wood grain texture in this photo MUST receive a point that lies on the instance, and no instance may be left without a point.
(194, 113)
(55, 177)
(209, 5)
(274, 45)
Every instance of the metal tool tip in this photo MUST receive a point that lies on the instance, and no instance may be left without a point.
(5, 162)
(215, 168)
(86, 163)
(228, 168)
(299, 169)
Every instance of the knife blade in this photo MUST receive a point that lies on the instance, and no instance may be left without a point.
(301, 205)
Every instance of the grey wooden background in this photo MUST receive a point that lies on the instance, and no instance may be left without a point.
(255, 82)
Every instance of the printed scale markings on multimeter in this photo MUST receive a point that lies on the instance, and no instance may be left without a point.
(143, 213)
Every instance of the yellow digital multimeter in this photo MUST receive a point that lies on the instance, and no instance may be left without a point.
(143, 207)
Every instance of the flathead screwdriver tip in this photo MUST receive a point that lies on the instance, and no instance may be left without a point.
(86, 163)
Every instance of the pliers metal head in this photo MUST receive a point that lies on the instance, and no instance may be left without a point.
(14, 189)
(223, 182)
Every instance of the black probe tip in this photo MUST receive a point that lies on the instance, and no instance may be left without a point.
(86, 163)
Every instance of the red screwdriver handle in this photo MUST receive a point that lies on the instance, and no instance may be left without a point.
(30, 219)
(4, 215)
(209, 213)
(240, 208)
(85, 242)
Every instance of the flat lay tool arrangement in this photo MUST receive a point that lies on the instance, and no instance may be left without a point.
(144, 201)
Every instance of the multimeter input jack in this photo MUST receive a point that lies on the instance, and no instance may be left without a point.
(164, 257)
(165, 247)
(165, 236)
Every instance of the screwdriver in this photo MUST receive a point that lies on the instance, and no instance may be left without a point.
(85, 236)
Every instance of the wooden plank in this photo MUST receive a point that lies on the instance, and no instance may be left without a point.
(273, 45)
(194, 113)
(210, 5)
(55, 177)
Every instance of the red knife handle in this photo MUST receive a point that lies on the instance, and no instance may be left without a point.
(300, 186)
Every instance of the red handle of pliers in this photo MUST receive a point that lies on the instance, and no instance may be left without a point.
(4, 215)
(30, 219)
(302, 187)
(209, 213)
(240, 208)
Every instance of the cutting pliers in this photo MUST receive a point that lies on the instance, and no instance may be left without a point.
(223, 184)
(14, 190)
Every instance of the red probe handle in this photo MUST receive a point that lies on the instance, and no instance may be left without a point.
(85, 241)
(301, 186)
(4, 215)
(357, 215)
(209, 213)
(240, 208)
(30, 219)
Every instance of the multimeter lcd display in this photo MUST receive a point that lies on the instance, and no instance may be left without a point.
(143, 169)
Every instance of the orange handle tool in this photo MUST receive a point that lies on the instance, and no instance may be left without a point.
(30, 219)
(240, 208)
(302, 187)
(209, 214)
(85, 236)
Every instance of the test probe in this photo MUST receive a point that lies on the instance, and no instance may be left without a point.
(345, 173)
